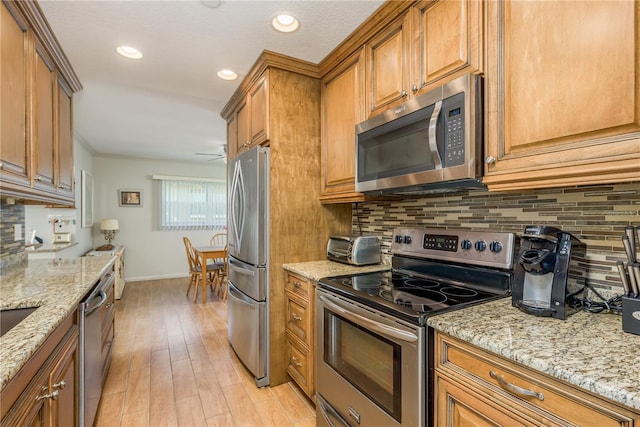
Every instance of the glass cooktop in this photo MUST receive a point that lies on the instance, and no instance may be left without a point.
(411, 297)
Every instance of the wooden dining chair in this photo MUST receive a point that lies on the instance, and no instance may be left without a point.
(195, 269)
(220, 240)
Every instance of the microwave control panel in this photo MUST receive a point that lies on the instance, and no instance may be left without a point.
(453, 110)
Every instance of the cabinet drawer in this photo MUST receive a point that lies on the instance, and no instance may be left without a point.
(512, 384)
(298, 364)
(298, 320)
(298, 285)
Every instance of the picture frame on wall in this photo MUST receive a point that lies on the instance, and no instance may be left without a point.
(86, 213)
(130, 197)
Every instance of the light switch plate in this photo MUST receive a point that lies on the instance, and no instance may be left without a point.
(17, 232)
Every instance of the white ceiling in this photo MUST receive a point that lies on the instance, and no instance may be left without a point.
(167, 105)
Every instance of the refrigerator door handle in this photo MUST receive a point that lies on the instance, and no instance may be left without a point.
(237, 209)
(235, 266)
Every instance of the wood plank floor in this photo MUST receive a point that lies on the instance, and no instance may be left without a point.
(172, 365)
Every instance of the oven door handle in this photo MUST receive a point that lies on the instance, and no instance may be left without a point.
(381, 328)
(328, 413)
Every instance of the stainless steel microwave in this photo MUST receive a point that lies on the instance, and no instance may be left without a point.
(432, 143)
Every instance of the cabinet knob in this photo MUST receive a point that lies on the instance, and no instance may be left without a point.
(297, 284)
(414, 88)
(403, 93)
(60, 186)
(1, 165)
(490, 160)
(38, 178)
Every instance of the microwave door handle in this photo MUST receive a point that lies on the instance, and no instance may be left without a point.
(433, 145)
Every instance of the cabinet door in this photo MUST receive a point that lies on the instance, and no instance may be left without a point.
(44, 106)
(232, 136)
(65, 140)
(388, 55)
(243, 124)
(343, 106)
(563, 93)
(259, 110)
(63, 381)
(14, 143)
(448, 37)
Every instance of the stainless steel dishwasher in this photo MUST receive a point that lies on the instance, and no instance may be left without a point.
(90, 375)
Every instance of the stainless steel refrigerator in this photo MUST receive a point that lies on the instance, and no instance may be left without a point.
(248, 244)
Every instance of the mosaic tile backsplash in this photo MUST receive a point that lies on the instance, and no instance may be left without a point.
(597, 215)
(10, 250)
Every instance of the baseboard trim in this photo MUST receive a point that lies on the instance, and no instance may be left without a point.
(142, 279)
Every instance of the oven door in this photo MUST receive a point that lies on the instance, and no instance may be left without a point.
(371, 366)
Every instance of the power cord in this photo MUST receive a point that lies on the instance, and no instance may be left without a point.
(612, 305)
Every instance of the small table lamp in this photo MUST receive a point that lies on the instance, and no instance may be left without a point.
(109, 227)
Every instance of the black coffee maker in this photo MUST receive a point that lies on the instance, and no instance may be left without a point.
(546, 274)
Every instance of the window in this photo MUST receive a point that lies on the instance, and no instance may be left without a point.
(191, 203)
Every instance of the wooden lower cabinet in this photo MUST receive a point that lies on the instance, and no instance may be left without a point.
(45, 391)
(479, 388)
(299, 329)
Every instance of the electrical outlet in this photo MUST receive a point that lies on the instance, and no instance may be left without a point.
(17, 232)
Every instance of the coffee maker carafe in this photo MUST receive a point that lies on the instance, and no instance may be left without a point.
(543, 285)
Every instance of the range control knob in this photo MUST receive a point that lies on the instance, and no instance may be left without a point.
(495, 246)
(399, 238)
(481, 245)
(407, 239)
(466, 244)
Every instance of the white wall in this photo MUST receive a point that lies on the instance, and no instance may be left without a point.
(36, 216)
(150, 253)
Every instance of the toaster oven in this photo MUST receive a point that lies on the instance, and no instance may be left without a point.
(354, 250)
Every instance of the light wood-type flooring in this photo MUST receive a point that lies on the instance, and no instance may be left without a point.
(172, 365)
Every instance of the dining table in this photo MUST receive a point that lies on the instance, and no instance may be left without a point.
(204, 253)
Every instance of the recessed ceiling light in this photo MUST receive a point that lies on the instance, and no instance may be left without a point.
(129, 52)
(285, 23)
(227, 75)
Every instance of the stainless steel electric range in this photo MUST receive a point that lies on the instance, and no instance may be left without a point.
(373, 347)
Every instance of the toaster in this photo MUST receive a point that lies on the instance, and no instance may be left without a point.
(354, 250)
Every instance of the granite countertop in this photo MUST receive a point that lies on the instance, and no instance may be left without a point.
(55, 287)
(588, 350)
(316, 270)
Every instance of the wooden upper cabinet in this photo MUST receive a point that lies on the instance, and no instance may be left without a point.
(36, 138)
(14, 86)
(562, 93)
(44, 105)
(388, 56)
(259, 105)
(65, 182)
(251, 117)
(343, 106)
(447, 41)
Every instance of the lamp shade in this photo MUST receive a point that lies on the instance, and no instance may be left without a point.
(109, 224)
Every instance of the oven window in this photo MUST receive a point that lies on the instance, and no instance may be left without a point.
(370, 362)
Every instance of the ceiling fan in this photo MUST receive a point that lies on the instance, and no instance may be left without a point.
(216, 156)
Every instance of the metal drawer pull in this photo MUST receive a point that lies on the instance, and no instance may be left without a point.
(294, 360)
(296, 317)
(62, 384)
(514, 388)
(53, 396)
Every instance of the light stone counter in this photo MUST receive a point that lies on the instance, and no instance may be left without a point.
(316, 270)
(55, 287)
(588, 350)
